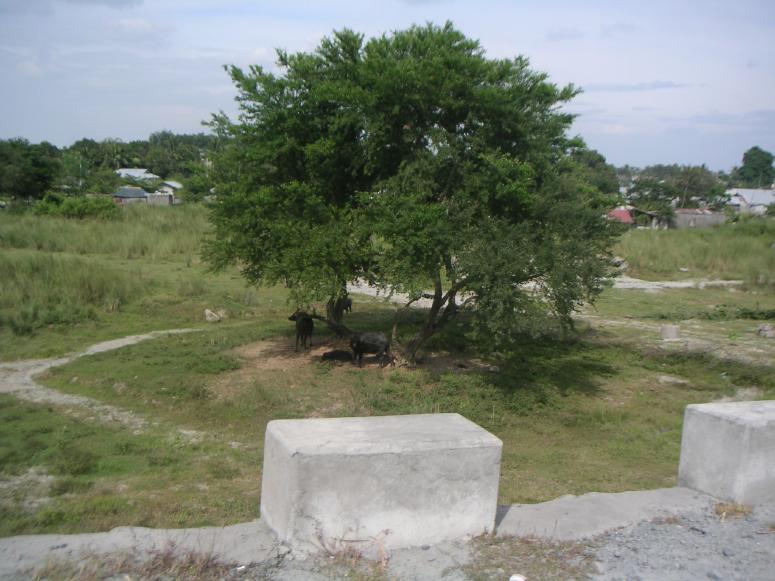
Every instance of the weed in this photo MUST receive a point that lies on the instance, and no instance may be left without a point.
(170, 562)
(726, 510)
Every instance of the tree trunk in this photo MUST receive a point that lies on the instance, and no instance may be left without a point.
(442, 310)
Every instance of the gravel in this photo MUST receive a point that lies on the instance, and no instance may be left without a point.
(697, 546)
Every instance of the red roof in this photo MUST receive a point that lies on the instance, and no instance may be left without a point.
(621, 215)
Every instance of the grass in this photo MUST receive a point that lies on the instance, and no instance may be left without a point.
(739, 250)
(589, 414)
(106, 477)
(166, 563)
(499, 557)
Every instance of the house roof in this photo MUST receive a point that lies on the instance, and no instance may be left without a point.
(695, 211)
(621, 215)
(173, 184)
(136, 173)
(129, 192)
(752, 197)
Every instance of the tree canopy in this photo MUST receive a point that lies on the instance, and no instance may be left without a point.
(757, 170)
(416, 163)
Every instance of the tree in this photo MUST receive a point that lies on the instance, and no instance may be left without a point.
(653, 196)
(757, 170)
(27, 170)
(416, 163)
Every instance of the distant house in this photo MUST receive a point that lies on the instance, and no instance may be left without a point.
(136, 173)
(169, 187)
(126, 195)
(696, 218)
(750, 201)
(160, 199)
(621, 215)
(629, 214)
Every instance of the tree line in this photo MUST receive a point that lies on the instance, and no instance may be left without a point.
(30, 170)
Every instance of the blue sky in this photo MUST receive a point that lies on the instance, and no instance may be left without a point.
(685, 82)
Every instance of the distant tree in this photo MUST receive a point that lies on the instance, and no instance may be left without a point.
(102, 181)
(597, 170)
(757, 170)
(27, 170)
(654, 196)
(416, 163)
(697, 184)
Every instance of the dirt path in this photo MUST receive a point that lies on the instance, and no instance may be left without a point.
(361, 287)
(18, 379)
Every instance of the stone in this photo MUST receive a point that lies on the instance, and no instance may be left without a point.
(669, 333)
(211, 317)
(728, 450)
(766, 330)
(399, 481)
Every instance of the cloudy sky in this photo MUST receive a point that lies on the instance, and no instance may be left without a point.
(665, 81)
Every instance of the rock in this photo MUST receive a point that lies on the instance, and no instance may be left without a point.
(620, 263)
(222, 313)
(683, 269)
(671, 379)
(211, 317)
(766, 330)
(713, 575)
(727, 552)
(119, 387)
(669, 332)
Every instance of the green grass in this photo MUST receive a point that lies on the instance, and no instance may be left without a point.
(154, 233)
(740, 250)
(105, 476)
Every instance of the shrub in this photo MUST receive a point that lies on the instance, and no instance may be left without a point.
(78, 207)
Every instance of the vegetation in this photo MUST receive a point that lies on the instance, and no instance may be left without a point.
(31, 171)
(757, 170)
(413, 161)
(739, 250)
(591, 413)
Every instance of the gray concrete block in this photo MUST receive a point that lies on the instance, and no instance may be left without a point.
(397, 481)
(728, 450)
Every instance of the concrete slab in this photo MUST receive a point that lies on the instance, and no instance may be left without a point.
(572, 518)
(394, 481)
(244, 543)
(728, 450)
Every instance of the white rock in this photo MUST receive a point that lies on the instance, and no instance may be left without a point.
(211, 317)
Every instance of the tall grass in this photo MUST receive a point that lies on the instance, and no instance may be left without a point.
(742, 250)
(38, 289)
(155, 233)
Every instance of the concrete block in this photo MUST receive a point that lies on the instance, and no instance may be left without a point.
(400, 481)
(728, 450)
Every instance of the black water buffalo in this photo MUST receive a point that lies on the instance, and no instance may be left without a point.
(370, 342)
(304, 327)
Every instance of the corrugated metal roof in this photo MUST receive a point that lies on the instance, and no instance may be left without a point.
(130, 192)
(695, 211)
(136, 173)
(753, 197)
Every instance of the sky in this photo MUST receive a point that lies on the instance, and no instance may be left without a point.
(679, 81)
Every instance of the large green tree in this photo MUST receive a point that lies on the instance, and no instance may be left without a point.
(27, 170)
(418, 164)
(757, 170)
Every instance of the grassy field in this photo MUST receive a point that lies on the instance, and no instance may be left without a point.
(741, 250)
(600, 412)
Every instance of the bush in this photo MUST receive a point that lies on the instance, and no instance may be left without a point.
(78, 207)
